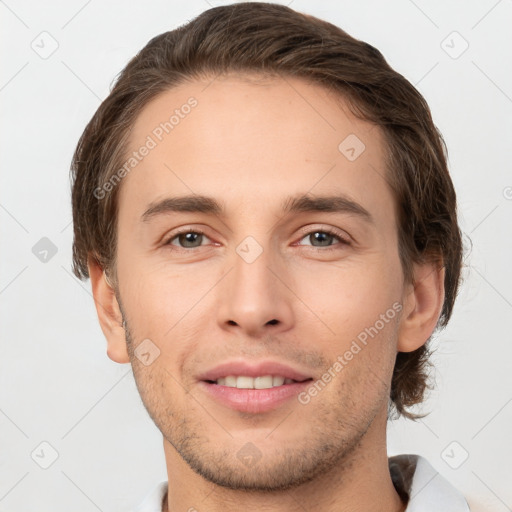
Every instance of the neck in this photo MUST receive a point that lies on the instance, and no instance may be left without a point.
(359, 482)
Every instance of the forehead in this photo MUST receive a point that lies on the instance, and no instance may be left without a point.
(246, 140)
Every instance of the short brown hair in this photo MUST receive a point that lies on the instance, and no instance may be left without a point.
(274, 40)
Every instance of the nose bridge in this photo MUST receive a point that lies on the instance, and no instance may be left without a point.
(255, 298)
(251, 274)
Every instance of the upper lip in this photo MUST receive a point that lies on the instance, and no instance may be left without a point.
(253, 370)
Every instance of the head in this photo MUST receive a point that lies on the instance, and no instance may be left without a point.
(261, 116)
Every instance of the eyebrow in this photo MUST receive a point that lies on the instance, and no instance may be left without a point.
(294, 204)
(331, 204)
(192, 203)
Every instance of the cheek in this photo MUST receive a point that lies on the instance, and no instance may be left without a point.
(149, 288)
(167, 305)
(349, 297)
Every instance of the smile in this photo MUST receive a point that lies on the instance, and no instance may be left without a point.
(247, 382)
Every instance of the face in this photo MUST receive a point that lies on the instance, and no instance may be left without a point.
(285, 252)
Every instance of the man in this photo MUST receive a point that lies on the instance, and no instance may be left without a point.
(264, 209)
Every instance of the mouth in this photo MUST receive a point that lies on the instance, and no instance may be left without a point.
(259, 382)
(253, 386)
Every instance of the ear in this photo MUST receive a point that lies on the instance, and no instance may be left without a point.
(109, 313)
(423, 303)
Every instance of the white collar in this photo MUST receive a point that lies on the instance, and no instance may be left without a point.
(428, 491)
(413, 475)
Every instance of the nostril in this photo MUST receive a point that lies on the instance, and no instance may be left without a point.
(273, 322)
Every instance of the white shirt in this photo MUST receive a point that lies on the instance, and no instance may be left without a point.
(428, 491)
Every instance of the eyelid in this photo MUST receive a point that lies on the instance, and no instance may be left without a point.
(179, 231)
(343, 236)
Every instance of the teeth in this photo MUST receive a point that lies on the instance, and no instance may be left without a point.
(230, 381)
(277, 380)
(243, 382)
(262, 382)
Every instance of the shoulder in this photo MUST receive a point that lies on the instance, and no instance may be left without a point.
(423, 487)
(152, 502)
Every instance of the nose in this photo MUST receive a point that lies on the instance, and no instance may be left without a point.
(255, 298)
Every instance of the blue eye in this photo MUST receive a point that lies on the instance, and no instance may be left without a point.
(324, 237)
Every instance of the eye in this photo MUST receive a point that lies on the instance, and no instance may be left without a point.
(187, 239)
(324, 238)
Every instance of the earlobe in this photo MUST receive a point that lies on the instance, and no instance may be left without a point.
(422, 306)
(109, 313)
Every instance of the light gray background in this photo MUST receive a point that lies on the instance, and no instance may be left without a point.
(57, 384)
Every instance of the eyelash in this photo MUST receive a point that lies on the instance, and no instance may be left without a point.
(343, 241)
(182, 232)
(329, 231)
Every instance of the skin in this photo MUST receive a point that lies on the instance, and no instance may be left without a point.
(250, 146)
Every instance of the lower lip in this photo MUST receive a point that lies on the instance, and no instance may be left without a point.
(254, 400)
